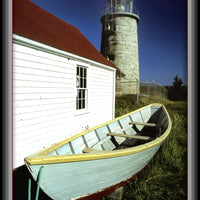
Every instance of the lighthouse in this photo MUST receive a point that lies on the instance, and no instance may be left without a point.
(119, 42)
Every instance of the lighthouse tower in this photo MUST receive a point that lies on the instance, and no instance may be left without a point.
(119, 43)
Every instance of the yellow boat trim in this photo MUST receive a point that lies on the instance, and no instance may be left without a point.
(41, 157)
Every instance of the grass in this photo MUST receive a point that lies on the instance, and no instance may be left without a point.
(165, 177)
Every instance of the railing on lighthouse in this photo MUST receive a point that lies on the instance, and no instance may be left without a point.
(118, 6)
(114, 7)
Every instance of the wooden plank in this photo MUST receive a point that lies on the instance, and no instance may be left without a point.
(136, 129)
(143, 124)
(90, 150)
(71, 147)
(139, 137)
(114, 141)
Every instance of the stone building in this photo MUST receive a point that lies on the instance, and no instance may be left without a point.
(119, 42)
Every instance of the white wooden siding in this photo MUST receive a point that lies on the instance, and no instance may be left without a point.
(44, 99)
(101, 87)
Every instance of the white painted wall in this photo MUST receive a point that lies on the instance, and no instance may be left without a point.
(44, 96)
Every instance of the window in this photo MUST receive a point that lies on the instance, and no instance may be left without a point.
(81, 87)
(111, 57)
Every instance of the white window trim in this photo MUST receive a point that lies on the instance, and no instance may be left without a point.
(86, 109)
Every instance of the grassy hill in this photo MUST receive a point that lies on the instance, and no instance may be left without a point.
(165, 177)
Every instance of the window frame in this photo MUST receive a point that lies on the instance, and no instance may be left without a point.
(81, 105)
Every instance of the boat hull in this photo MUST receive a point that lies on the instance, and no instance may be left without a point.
(83, 179)
(100, 194)
(99, 160)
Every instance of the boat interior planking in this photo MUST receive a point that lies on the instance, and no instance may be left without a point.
(100, 138)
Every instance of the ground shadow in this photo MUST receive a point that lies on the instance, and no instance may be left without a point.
(21, 177)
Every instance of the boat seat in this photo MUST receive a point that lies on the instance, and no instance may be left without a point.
(126, 130)
(138, 137)
(153, 125)
(143, 124)
(91, 150)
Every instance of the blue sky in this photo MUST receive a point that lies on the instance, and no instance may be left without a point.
(162, 33)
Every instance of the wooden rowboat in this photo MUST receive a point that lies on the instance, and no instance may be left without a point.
(99, 160)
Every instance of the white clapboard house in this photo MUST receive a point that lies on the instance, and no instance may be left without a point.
(61, 83)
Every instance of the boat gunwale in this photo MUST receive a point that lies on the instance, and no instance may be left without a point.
(41, 156)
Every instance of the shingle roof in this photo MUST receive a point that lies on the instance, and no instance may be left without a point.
(33, 22)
